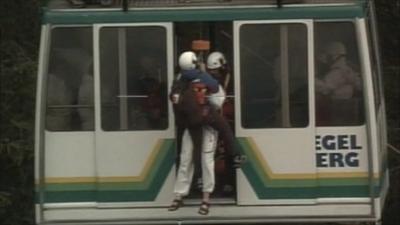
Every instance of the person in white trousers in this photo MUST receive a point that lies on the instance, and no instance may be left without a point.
(209, 143)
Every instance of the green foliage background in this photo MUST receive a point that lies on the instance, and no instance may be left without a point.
(20, 31)
(388, 12)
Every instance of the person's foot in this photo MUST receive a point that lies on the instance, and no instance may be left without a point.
(204, 208)
(176, 204)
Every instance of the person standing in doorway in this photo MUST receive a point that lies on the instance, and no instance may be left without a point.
(226, 159)
(199, 140)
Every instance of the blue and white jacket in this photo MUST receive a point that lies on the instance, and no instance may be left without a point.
(199, 76)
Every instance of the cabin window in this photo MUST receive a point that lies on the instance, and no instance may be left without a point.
(70, 80)
(133, 76)
(273, 71)
(338, 79)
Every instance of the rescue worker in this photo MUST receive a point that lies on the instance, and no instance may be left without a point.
(339, 83)
(217, 66)
(201, 143)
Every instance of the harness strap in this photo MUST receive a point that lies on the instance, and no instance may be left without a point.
(201, 91)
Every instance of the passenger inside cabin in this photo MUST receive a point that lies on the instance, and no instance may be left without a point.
(70, 91)
(146, 90)
(153, 106)
(336, 84)
(59, 97)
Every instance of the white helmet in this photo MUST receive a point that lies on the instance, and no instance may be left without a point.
(335, 49)
(216, 60)
(187, 60)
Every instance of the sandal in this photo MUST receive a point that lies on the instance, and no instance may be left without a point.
(176, 204)
(204, 208)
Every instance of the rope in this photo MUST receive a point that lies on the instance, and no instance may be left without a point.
(396, 150)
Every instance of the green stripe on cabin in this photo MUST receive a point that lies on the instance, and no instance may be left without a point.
(264, 184)
(146, 190)
(267, 187)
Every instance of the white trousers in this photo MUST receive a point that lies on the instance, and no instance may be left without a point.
(186, 167)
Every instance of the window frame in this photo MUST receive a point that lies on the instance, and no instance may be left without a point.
(310, 71)
(169, 70)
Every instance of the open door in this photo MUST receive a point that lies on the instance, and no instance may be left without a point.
(134, 127)
(219, 36)
(274, 117)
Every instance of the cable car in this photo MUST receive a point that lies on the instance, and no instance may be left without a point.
(306, 93)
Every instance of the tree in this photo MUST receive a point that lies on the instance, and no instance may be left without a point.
(388, 12)
(19, 35)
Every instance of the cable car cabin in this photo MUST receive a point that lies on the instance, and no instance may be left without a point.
(305, 98)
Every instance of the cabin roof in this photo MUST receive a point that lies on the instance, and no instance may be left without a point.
(94, 5)
(61, 12)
